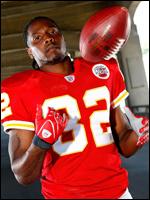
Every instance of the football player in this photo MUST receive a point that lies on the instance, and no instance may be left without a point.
(64, 121)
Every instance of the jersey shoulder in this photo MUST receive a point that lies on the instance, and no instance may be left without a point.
(18, 79)
(112, 64)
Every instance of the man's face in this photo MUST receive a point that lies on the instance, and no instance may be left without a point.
(46, 43)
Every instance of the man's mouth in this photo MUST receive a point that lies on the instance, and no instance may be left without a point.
(51, 47)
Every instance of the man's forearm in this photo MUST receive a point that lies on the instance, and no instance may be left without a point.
(28, 166)
(128, 143)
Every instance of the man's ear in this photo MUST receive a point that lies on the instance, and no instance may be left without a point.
(29, 51)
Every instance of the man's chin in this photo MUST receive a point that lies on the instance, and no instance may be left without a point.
(55, 60)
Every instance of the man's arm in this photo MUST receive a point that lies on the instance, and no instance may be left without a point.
(27, 149)
(126, 138)
(26, 158)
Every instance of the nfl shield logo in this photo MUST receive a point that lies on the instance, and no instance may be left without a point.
(70, 78)
(101, 71)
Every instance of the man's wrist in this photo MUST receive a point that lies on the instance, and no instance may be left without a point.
(40, 143)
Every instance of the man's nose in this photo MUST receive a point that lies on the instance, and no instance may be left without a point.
(49, 40)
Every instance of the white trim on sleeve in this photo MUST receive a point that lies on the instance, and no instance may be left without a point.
(117, 101)
(16, 124)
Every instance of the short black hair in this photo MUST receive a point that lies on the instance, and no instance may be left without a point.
(25, 32)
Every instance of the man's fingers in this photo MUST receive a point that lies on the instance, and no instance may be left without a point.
(144, 129)
(142, 140)
(39, 112)
(145, 121)
(51, 111)
(61, 119)
(64, 119)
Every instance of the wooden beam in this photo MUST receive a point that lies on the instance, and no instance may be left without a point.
(19, 57)
(15, 58)
(15, 41)
(68, 17)
(8, 71)
(30, 6)
(8, 4)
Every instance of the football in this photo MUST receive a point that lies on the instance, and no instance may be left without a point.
(105, 33)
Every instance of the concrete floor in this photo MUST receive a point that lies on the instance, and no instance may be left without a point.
(137, 166)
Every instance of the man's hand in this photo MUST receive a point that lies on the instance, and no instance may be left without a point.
(50, 127)
(140, 125)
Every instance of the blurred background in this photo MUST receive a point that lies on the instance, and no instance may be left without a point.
(133, 60)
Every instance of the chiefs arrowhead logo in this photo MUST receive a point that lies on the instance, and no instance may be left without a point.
(101, 71)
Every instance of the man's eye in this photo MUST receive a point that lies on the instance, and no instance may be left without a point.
(37, 37)
(53, 32)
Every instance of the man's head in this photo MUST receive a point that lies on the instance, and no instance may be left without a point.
(44, 41)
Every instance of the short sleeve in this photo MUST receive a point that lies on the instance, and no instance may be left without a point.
(14, 114)
(119, 92)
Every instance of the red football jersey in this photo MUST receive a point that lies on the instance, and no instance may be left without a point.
(84, 162)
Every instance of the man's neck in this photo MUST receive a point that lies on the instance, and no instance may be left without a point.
(65, 67)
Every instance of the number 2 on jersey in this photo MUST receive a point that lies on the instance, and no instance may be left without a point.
(5, 108)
